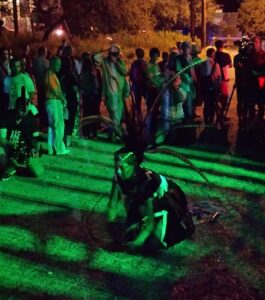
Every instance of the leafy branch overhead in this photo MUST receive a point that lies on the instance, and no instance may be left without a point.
(91, 17)
(252, 17)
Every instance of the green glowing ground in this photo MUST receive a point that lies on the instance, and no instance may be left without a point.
(46, 248)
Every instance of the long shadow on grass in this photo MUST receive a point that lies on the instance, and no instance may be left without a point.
(115, 283)
(47, 225)
(209, 171)
(16, 293)
(47, 183)
(92, 231)
(79, 173)
(88, 160)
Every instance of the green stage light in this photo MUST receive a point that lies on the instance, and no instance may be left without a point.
(16, 238)
(15, 207)
(24, 275)
(65, 250)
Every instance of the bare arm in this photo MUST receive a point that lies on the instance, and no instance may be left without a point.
(147, 228)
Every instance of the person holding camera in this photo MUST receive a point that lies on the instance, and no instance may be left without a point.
(243, 78)
(115, 85)
(258, 72)
(19, 142)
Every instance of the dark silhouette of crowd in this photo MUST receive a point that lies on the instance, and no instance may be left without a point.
(60, 90)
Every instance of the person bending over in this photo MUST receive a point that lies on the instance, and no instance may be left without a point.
(19, 144)
(156, 208)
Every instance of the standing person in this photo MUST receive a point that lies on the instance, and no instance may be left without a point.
(40, 67)
(115, 87)
(84, 56)
(55, 106)
(91, 89)
(243, 81)
(210, 83)
(172, 112)
(195, 51)
(189, 79)
(154, 83)
(180, 50)
(61, 48)
(27, 58)
(225, 63)
(68, 54)
(163, 64)
(71, 90)
(4, 72)
(258, 72)
(138, 78)
(14, 83)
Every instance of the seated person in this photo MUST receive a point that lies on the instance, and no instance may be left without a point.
(19, 141)
(157, 214)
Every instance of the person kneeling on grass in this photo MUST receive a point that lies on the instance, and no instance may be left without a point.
(19, 144)
(157, 213)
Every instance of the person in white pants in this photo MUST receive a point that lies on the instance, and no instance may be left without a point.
(55, 106)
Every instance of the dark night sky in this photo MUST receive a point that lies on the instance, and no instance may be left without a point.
(230, 5)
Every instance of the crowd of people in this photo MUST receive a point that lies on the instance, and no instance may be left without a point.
(52, 94)
(58, 90)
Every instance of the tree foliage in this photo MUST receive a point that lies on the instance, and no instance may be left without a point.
(167, 14)
(91, 17)
(251, 18)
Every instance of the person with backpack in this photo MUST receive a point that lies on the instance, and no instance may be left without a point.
(210, 82)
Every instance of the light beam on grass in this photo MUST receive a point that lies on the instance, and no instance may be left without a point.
(65, 250)
(122, 262)
(60, 248)
(17, 238)
(216, 180)
(15, 207)
(205, 166)
(36, 278)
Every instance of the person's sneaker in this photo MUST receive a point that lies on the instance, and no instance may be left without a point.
(5, 177)
(8, 174)
(66, 152)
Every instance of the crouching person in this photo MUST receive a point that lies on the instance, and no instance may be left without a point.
(157, 213)
(19, 142)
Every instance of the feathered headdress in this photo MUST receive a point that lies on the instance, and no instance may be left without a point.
(134, 133)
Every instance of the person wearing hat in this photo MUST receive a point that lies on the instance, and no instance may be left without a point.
(115, 86)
